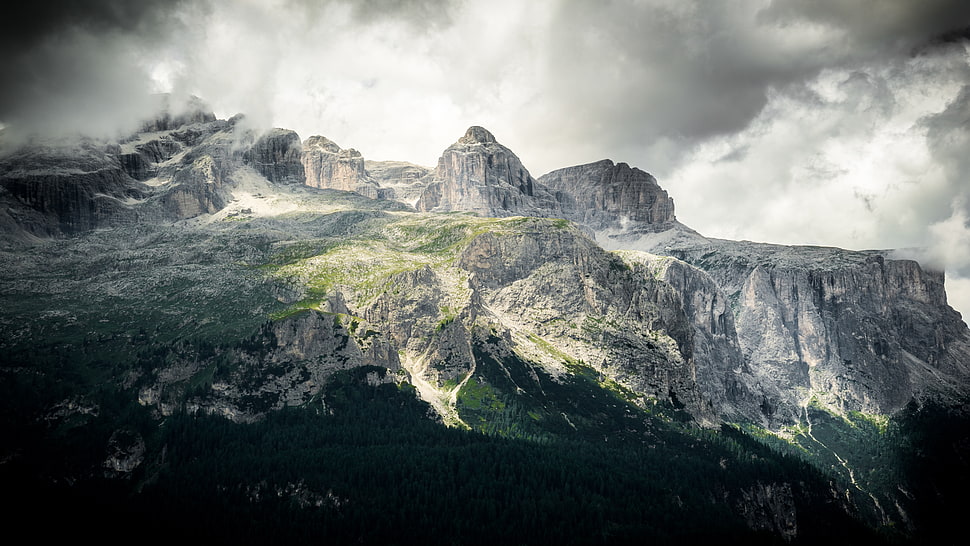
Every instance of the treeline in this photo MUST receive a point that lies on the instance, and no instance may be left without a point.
(371, 468)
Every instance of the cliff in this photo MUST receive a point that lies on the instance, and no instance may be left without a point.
(854, 331)
(201, 268)
(477, 174)
(63, 190)
(278, 155)
(606, 195)
(329, 166)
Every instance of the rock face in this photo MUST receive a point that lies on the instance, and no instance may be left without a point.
(607, 195)
(143, 162)
(173, 172)
(852, 331)
(327, 165)
(277, 155)
(557, 285)
(774, 328)
(477, 174)
(287, 364)
(210, 275)
(723, 375)
(67, 190)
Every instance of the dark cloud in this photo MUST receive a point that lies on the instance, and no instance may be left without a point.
(71, 66)
(630, 74)
(948, 135)
(878, 27)
(31, 22)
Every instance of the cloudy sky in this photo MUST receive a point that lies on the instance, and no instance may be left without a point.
(830, 122)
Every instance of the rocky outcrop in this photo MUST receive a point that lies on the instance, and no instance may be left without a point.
(327, 165)
(278, 156)
(477, 174)
(51, 191)
(287, 363)
(552, 283)
(723, 375)
(736, 329)
(56, 189)
(852, 331)
(605, 195)
(143, 162)
(773, 327)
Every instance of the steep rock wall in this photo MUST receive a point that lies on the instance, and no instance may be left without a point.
(477, 174)
(723, 375)
(327, 165)
(605, 195)
(69, 190)
(277, 155)
(853, 331)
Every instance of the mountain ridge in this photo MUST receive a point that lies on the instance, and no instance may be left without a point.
(235, 273)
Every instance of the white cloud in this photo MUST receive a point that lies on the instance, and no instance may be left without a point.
(958, 295)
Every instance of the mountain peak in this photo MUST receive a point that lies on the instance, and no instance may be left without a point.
(477, 135)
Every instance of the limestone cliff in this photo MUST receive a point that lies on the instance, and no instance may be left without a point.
(286, 363)
(724, 376)
(277, 155)
(50, 191)
(556, 287)
(196, 266)
(853, 331)
(327, 165)
(477, 174)
(775, 328)
(607, 195)
(403, 181)
(741, 330)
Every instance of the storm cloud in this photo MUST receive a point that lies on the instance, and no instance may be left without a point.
(791, 121)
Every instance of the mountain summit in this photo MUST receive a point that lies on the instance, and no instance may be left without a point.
(476, 134)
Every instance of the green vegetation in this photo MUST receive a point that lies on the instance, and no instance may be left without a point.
(366, 259)
(374, 470)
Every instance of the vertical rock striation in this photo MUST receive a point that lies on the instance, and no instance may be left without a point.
(327, 165)
(607, 195)
(54, 191)
(853, 331)
(723, 375)
(277, 155)
(477, 174)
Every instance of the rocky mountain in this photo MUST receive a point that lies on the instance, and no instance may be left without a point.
(278, 156)
(605, 195)
(199, 268)
(405, 180)
(477, 174)
(329, 166)
(765, 353)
